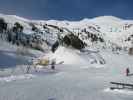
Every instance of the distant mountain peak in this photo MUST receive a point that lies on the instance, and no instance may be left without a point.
(107, 18)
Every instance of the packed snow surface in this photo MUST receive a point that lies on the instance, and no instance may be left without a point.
(117, 91)
(71, 82)
(14, 77)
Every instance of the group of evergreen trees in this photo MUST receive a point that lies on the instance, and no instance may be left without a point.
(15, 35)
(93, 37)
(74, 41)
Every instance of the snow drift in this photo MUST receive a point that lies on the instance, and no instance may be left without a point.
(75, 57)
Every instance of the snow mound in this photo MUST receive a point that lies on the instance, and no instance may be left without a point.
(75, 57)
(119, 91)
(16, 77)
(69, 56)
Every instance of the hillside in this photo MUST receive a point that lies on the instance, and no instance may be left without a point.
(82, 41)
(99, 32)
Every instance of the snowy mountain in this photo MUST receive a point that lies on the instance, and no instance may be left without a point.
(104, 31)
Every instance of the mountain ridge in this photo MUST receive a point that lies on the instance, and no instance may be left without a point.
(106, 30)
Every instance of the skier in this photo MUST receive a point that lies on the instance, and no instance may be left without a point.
(127, 71)
(53, 64)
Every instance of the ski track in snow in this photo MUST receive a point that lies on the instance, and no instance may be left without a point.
(16, 77)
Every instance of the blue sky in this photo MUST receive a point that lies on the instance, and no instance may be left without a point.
(67, 9)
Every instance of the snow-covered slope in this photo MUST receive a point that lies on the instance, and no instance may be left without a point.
(100, 32)
(114, 31)
(71, 56)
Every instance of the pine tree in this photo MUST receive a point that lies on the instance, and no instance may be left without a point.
(3, 25)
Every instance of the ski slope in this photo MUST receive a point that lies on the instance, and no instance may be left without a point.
(72, 82)
(77, 79)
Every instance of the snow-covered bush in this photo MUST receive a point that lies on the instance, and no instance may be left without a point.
(17, 28)
(33, 27)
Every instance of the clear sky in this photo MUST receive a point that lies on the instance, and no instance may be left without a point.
(67, 9)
